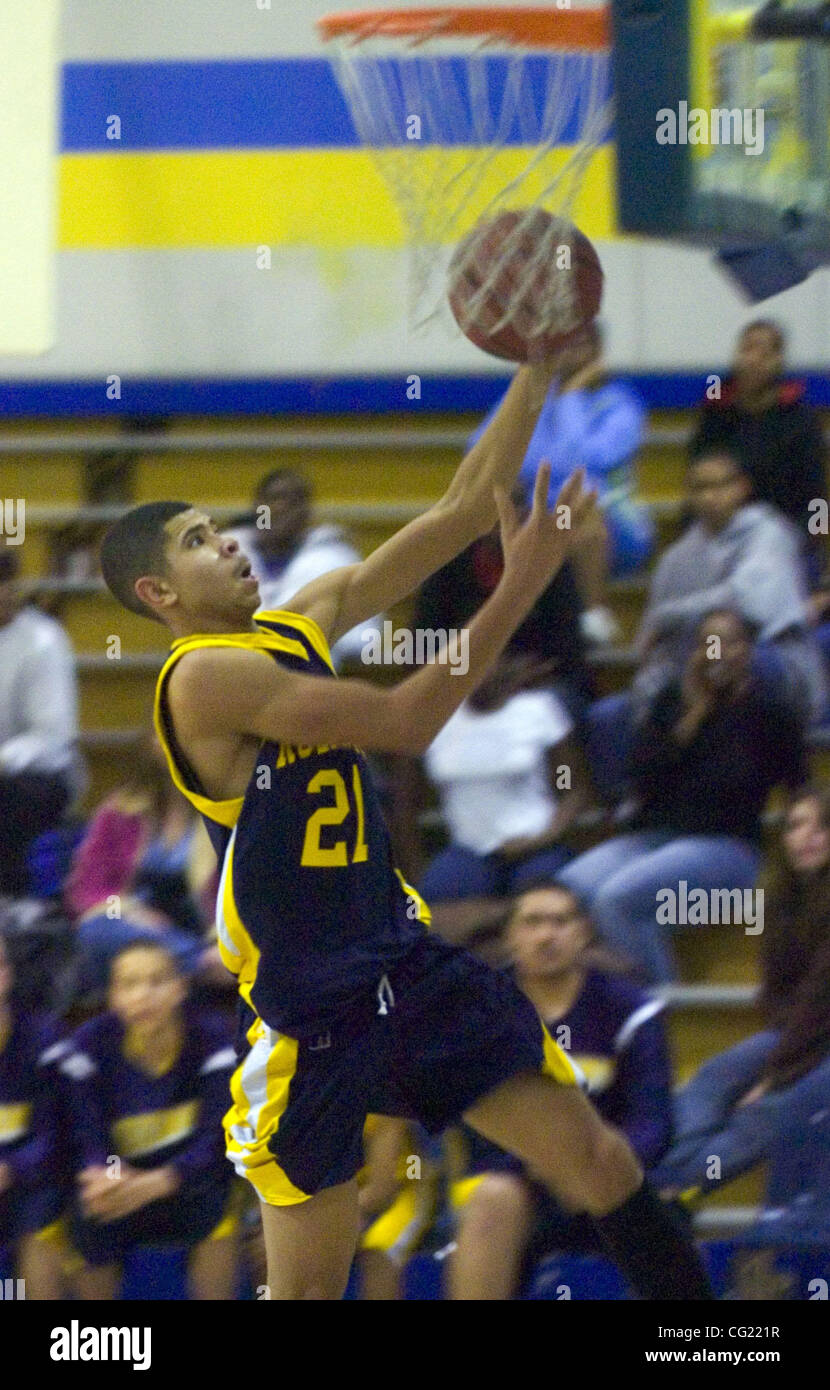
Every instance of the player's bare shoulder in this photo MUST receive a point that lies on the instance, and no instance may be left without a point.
(209, 697)
(215, 689)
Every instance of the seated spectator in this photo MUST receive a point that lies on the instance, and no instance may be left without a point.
(742, 1100)
(550, 634)
(589, 421)
(712, 746)
(32, 1181)
(286, 552)
(767, 425)
(739, 554)
(148, 1086)
(616, 1036)
(40, 768)
(143, 869)
(499, 763)
(397, 1200)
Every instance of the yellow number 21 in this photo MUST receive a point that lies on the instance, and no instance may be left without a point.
(337, 857)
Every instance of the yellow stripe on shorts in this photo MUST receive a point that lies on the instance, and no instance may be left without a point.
(259, 1090)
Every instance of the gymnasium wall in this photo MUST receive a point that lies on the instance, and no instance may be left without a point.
(233, 137)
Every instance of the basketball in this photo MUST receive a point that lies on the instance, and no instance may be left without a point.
(523, 284)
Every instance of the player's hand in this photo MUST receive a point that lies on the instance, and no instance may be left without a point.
(578, 363)
(95, 1189)
(101, 1190)
(133, 1190)
(125, 1197)
(535, 549)
(587, 374)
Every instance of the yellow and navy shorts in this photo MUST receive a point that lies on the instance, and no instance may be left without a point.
(443, 1031)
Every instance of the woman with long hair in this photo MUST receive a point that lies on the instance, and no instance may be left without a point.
(736, 1104)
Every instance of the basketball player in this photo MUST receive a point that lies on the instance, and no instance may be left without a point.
(147, 1081)
(354, 1008)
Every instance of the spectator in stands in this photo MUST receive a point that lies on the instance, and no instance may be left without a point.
(589, 421)
(712, 746)
(145, 868)
(615, 1034)
(767, 425)
(287, 552)
(550, 634)
(397, 1197)
(741, 554)
(501, 764)
(739, 1102)
(40, 769)
(32, 1184)
(148, 1085)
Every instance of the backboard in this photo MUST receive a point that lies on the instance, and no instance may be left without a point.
(722, 119)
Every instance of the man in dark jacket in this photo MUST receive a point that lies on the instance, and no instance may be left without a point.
(768, 425)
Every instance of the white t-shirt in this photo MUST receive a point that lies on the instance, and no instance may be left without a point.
(38, 698)
(491, 770)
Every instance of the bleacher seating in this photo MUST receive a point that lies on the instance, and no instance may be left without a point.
(370, 478)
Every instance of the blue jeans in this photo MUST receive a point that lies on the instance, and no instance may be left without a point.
(708, 1124)
(620, 880)
(461, 873)
(101, 938)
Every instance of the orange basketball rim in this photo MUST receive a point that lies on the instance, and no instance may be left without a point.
(524, 25)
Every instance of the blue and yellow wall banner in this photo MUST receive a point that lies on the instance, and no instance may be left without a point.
(224, 154)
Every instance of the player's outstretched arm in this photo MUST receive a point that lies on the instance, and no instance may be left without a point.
(219, 691)
(343, 598)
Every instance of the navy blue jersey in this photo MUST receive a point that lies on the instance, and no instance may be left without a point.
(616, 1036)
(29, 1119)
(311, 910)
(120, 1109)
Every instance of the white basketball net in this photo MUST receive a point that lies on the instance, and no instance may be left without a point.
(463, 130)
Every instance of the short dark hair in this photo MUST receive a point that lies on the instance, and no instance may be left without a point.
(283, 475)
(770, 326)
(147, 943)
(133, 547)
(544, 883)
(718, 451)
(751, 630)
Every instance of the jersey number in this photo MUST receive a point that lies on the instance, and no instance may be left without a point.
(337, 857)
